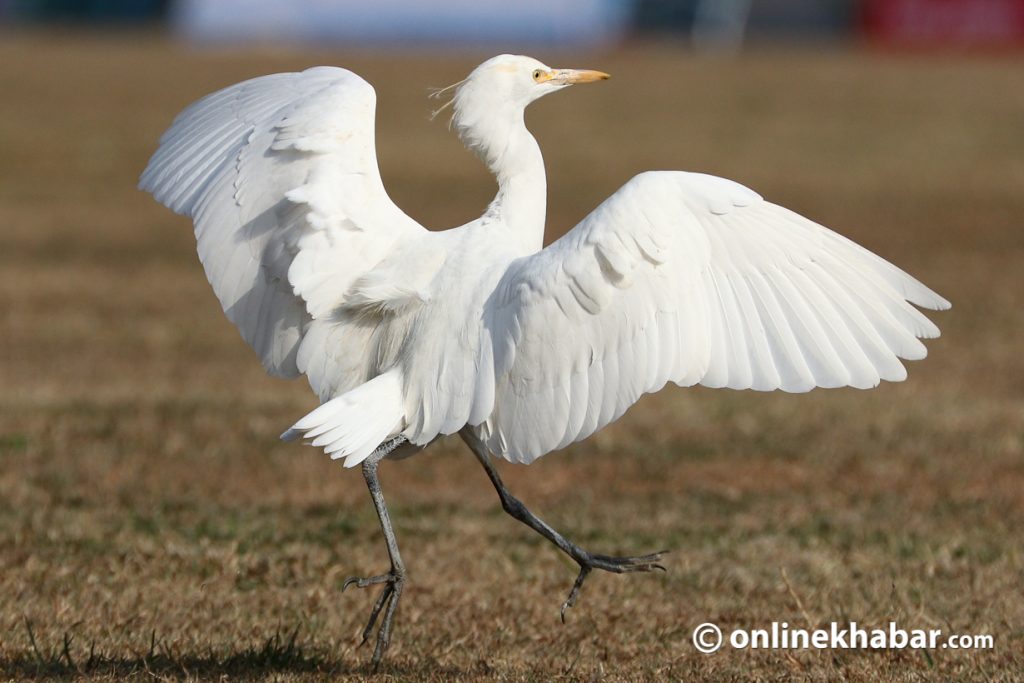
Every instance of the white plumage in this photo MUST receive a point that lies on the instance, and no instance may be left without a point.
(677, 277)
(692, 279)
(280, 176)
(407, 334)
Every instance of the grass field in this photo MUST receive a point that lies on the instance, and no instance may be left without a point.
(152, 525)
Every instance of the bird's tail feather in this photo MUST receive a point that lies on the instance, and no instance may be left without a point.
(354, 424)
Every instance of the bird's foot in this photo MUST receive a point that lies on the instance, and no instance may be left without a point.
(609, 563)
(387, 602)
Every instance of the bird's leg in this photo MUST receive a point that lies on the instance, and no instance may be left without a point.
(586, 560)
(394, 580)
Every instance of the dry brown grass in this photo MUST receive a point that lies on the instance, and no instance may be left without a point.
(148, 513)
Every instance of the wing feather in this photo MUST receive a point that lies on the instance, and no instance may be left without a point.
(692, 279)
(280, 177)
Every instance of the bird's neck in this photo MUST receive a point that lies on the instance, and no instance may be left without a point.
(521, 202)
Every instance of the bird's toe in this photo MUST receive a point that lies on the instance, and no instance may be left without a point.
(622, 565)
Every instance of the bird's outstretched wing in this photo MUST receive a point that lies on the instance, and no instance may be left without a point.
(693, 279)
(280, 176)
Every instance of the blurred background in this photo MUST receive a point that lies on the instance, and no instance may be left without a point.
(705, 24)
(152, 524)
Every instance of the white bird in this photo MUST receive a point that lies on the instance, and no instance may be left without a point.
(407, 335)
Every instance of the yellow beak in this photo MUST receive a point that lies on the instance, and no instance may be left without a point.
(571, 76)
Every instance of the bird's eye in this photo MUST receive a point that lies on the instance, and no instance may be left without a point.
(538, 74)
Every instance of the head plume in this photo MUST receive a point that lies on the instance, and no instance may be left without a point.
(488, 105)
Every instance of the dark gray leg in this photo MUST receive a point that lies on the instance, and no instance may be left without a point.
(394, 580)
(587, 561)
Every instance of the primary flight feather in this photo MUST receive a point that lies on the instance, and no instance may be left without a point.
(407, 335)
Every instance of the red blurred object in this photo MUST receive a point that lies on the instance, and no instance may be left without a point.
(945, 23)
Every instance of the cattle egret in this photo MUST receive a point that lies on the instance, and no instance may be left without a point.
(407, 335)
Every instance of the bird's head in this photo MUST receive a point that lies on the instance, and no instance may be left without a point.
(515, 81)
(493, 97)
